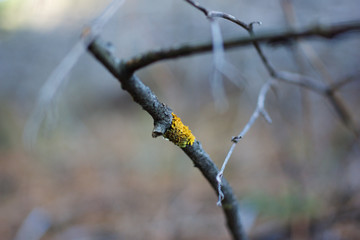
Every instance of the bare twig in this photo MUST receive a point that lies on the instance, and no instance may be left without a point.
(303, 81)
(162, 121)
(339, 84)
(273, 36)
(161, 114)
(214, 14)
(218, 52)
(283, 76)
(343, 113)
(248, 27)
(334, 98)
(326, 91)
(260, 110)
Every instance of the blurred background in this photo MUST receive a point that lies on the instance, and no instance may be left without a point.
(96, 172)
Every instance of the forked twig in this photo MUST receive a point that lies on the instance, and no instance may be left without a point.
(219, 49)
(323, 89)
(260, 110)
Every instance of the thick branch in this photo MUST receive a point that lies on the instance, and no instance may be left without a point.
(139, 91)
(162, 120)
(230, 204)
(271, 37)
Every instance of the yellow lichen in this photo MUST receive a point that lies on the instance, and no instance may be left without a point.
(178, 133)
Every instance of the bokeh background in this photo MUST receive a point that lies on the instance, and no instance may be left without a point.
(96, 173)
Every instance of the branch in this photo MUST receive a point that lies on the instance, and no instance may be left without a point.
(326, 91)
(315, 31)
(162, 121)
(162, 114)
(269, 37)
(339, 84)
(248, 27)
(260, 110)
(302, 81)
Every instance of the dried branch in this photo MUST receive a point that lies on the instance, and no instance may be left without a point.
(162, 121)
(270, 37)
(124, 72)
(260, 110)
(339, 84)
(343, 113)
(303, 81)
(325, 90)
(334, 98)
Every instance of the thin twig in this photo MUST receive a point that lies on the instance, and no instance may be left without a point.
(248, 27)
(339, 84)
(273, 36)
(283, 76)
(303, 81)
(343, 113)
(332, 96)
(57, 78)
(162, 114)
(326, 91)
(260, 110)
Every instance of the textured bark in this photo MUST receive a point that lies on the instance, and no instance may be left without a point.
(162, 121)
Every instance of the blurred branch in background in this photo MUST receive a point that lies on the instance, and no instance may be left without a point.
(57, 79)
(34, 226)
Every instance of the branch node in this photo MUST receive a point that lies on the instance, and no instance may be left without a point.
(236, 139)
(159, 129)
(219, 177)
(266, 115)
